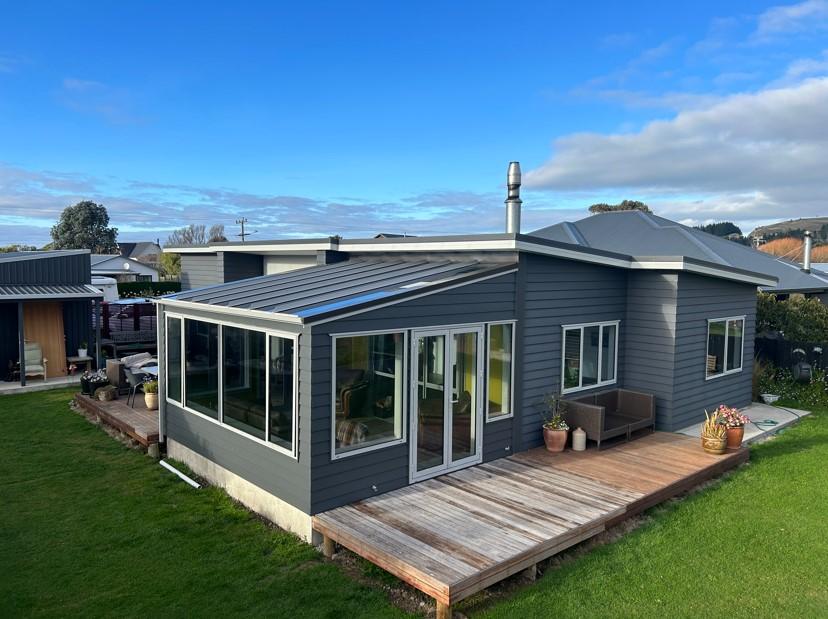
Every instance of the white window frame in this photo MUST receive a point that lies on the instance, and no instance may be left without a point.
(404, 411)
(581, 327)
(294, 451)
(511, 414)
(725, 372)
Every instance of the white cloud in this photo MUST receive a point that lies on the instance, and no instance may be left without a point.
(746, 156)
(791, 19)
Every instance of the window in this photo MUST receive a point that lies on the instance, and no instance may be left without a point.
(174, 359)
(241, 378)
(499, 383)
(244, 383)
(590, 355)
(281, 388)
(725, 342)
(369, 395)
(201, 373)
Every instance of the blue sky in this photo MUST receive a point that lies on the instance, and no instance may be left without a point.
(322, 118)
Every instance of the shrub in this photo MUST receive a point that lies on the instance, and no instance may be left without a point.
(135, 290)
(797, 318)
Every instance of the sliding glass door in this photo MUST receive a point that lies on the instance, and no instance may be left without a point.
(446, 381)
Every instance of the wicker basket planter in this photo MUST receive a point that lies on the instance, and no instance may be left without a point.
(716, 446)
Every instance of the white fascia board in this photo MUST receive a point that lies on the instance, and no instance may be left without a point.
(229, 311)
(253, 248)
(425, 245)
(681, 265)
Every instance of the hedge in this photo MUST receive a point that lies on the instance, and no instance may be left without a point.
(131, 290)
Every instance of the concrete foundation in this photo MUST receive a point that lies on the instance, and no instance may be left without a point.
(251, 496)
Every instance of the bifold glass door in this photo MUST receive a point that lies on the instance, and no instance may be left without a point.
(446, 400)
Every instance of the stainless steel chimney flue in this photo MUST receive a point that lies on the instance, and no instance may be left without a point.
(806, 258)
(513, 200)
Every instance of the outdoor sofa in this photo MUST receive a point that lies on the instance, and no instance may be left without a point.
(610, 414)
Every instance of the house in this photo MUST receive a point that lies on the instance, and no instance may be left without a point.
(46, 311)
(123, 269)
(306, 375)
(147, 252)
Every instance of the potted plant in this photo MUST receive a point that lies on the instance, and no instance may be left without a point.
(713, 434)
(151, 394)
(735, 422)
(555, 428)
(82, 350)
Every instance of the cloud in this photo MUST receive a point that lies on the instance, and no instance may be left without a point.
(90, 97)
(31, 202)
(746, 155)
(9, 63)
(792, 19)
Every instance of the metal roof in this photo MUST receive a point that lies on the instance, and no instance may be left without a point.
(643, 234)
(13, 256)
(34, 292)
(317, 292)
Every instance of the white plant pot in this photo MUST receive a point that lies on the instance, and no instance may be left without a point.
(769, 398)
(82, 352)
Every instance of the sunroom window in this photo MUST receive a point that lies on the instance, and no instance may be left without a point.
(589, 355)
(369, 378)
(725, 342)
(201, 367)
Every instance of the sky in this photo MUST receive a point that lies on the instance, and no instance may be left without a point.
(312, 119)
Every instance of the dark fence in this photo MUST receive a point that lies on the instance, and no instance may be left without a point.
(128, 290)
(122, 317)
(785, 353)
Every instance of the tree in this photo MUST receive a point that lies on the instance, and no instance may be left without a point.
(624, 205)
(170, 266)
(194, 234)
(217, 234)
(13, 248)
(85, 226)
(721, 228)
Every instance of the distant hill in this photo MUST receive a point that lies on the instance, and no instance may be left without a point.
(814, 224)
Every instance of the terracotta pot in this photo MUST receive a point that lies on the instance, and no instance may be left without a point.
(151, 400)
(555, 439)
(714, 446)
(735, 436)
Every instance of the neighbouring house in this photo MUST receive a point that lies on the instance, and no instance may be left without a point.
(306, 375)
(123, 269)
(147, 252)
(46, 312)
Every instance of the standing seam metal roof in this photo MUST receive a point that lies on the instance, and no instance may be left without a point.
(332, 288)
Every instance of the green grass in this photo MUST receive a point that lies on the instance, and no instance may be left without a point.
(754, 545)
(89, 528)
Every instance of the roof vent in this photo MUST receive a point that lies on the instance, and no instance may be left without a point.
(806, 258)
(513, 200)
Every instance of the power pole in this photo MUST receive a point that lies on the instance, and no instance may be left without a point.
(244, 234)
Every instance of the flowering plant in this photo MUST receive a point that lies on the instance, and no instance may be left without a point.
(554, 407)
(732, 417)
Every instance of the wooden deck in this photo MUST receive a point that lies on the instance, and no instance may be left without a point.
(457, 534)
(138, 422)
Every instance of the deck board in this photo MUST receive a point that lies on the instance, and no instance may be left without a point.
(457, 534)
(137, 422)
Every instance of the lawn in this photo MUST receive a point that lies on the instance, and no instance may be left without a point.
(90, 528)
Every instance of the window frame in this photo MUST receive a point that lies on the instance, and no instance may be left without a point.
(511, 414)
(580, 327)
(404, 411)
(292, 453)
(725, 372)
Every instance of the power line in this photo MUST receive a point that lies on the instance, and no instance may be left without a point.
(244, 234)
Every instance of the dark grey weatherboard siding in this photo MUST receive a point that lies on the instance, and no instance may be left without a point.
(277, 473)
(560, 292)
(699, 299)
(198, 270)
(349, 479)
(650, 339)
